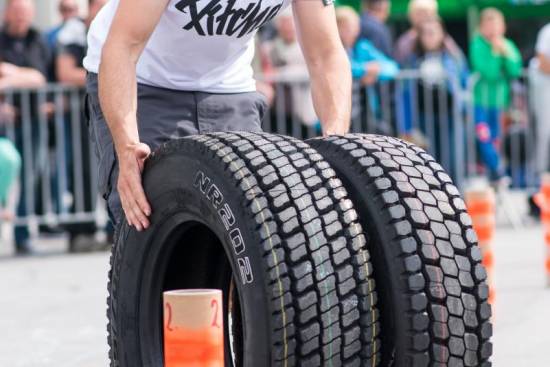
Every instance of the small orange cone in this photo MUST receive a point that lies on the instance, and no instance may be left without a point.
(542, 199)
(193, 328)
(481, 207)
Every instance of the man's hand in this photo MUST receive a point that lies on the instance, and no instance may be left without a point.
(7, 113)
(335, 129)
(7, 69)
(372, 70)
(12, 76)
(130, 161)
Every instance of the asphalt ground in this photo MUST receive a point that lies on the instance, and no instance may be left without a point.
(52, 305)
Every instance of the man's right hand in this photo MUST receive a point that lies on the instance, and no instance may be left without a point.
(131, 160)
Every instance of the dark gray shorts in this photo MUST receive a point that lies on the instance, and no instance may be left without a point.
(165, 114)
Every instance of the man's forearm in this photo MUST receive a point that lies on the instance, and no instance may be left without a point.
(118, 95)
(76, 76)
(331, 90)
(23, 78)
(327, 63)
(69, 72)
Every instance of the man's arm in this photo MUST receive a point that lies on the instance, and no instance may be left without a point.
(12, 76)
(68, 71)
(327, 62)
(132, 26)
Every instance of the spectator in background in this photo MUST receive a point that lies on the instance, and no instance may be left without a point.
(261, 65)
(10, 164)
(419, 11)
(443, 73)
(497, 61)
(72, 46)
(289, 66)
(25, 61)
(540, 82)
(24, 56)
(71, 50)
(67, 9)
(373, 25)
(368, 66)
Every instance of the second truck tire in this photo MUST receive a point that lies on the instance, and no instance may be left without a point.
(265, 219)
(427, 265)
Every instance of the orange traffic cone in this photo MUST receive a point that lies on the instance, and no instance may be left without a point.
(193, 328)
(481, 207)
(543, 201)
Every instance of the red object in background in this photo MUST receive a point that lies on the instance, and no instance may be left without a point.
(193, 328)
(481, 207)
(542, 199)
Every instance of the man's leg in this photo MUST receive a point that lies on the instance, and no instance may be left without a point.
(487, 150)
(231, 112)
(21, 232)
(495, 122)
(162, 115)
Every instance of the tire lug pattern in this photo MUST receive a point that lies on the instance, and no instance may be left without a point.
(321, 291)
(427, 263)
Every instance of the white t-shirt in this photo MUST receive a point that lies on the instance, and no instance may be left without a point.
(198, 45)
(543, 41)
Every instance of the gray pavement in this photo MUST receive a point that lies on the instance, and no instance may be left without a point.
(52, 307)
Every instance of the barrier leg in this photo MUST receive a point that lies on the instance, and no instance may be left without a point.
(193, 328)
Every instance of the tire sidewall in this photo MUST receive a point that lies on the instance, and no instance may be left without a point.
(374, 219)
(386, 260)
(175, 199)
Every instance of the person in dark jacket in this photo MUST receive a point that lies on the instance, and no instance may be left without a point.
(419, 11)
(24, 56)
(71, 49)
(443, 74)
(24, 63)
(373, 25)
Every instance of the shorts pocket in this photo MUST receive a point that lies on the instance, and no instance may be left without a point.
(100, 137)
(107, 164)
(261, 105)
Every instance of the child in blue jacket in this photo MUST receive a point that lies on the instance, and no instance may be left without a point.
(368, 67)
(368, 64)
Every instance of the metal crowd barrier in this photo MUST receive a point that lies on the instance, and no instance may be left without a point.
(59, 175)
(58, 184)
(435, 113)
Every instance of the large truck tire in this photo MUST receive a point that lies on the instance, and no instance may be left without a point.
(427, 264)
(265, 219)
